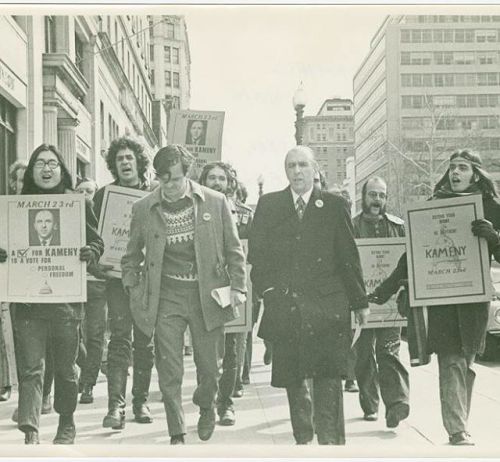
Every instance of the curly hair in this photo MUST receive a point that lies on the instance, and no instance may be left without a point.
(231, 175)
(126, 142)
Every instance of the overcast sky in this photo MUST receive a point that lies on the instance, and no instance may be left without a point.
(248, 62)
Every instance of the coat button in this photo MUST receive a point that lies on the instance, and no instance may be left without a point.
(151, 264)
(298, 237)
(157, 235)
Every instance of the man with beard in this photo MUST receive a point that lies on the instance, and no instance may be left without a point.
(221, 177)
(377, 364)
(128, 163)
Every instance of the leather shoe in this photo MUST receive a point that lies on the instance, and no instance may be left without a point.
(238, 393)
(142, 414)
(206, 423)
(115, 419)
(245, 380)
(177, 439)
(86, 397)
(372, 417)
(461, 439)
(66, 431)
(5, 393)
(350, 386)
(227, 417)
(31, 437)
(396, 414)
(46, 405)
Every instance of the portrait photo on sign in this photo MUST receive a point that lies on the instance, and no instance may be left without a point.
(196, 132)
(44, 227)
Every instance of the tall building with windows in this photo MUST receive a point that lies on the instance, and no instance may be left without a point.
(170, 61)
(429, 85)
(76, 82)
(330, 134)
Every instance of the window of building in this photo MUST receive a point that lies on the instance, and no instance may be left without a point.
(175, 55)
(167, 54)
(151, 52)
(168, 78)
(152, 77)
(7, 142)
(318, 137)
(416, 36)
(176, 80)
(405, 36)
(448, 35)
(406, 80)
(437, 35)
(323, 137)
(405, 58)
(460, 36)
(50, 34)
(170, 31)
(427, 36)
(79, 47)
(101, 114)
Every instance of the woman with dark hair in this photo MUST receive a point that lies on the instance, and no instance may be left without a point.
(47, 174)
(456, 332)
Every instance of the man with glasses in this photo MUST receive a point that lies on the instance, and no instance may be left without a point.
(377, 364)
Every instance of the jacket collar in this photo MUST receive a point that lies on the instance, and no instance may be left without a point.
(196, 190)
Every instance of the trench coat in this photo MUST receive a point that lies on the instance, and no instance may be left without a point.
(457, 328)
(310, 275)
(219, 256)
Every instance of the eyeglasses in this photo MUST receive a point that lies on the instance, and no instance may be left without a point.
(375, 195)
(53, 164)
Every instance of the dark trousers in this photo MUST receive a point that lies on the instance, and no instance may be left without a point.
(231, 369)
(94, 328)
(179, 308)
(456, 380)
(120, 346)
(33, 336)
(319, 410)
(378, 367)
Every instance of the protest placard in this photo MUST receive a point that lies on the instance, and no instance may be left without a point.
(43, 236)
(379, 256)
(114, 224)
(200, 132)
(446, 262)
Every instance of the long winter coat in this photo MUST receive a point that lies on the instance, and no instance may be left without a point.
(219, 256)
(453, 328)
(310, 274)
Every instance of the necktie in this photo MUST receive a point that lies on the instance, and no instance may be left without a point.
(300, 207)
(44, 242)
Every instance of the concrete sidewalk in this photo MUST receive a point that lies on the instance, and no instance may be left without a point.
(263, 422)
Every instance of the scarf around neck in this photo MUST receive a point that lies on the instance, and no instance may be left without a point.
(445, 192)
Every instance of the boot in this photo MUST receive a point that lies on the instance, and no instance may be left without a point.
(140, 392)
(66, 430)
(5, 393)
(86, 397)
(117, 385)
(31, 437)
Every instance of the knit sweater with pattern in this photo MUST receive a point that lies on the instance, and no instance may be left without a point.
(179, 259)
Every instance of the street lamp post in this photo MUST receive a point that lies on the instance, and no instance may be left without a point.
(299, 103)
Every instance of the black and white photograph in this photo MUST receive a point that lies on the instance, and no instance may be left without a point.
(250, 230)
(44, 225)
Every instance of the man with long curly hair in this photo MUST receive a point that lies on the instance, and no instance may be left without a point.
(128, 163)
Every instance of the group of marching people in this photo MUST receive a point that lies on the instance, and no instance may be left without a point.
(185, 241)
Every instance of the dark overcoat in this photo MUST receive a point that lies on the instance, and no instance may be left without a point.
(310, 275)
(455, 328)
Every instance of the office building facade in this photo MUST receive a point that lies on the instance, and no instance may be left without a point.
(429, 85)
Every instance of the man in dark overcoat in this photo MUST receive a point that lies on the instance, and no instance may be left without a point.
(306, 265)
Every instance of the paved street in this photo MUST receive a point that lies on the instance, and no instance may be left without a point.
(262, 419)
